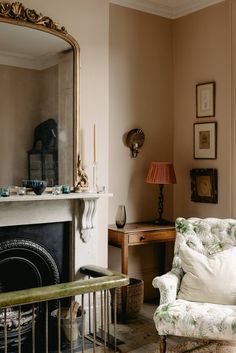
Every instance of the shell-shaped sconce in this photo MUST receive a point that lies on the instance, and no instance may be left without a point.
(134, 140)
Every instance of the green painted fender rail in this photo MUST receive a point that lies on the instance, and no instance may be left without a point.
(102, 279)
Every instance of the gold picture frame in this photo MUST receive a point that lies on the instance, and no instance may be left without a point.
(204, 185)
(205, 99)
(205, 140)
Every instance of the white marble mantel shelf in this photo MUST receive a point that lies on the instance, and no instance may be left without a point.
(86, 206)
(51, 197)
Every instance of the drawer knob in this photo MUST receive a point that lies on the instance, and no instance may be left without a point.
(142, 237)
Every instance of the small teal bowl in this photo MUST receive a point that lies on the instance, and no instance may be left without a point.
(4, 191)
(38, 186)
(65, 189)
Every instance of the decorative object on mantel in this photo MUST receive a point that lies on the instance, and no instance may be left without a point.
(82, 178)
(161, 173)
(65, 189)
(38, 186)
(21, 190)
(57, 190)
(120, 216)
(135, 140)
(4, 191)
(205, 99)
(204, 185)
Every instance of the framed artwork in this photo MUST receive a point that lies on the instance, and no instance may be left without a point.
(204, 185)
(205, 99)
(205, 140)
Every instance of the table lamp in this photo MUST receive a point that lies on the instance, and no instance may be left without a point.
(161, 173)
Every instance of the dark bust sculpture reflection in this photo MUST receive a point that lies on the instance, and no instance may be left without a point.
(43, 157)
(46, 134)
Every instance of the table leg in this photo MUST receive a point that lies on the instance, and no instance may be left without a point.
(124, 255)
(124, 269)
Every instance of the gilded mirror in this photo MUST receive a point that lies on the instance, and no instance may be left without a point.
(39, 64)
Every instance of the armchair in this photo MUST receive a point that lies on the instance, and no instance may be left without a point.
(198, 295)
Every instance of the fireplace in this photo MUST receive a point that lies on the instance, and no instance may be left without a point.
(38, 217)
(62, 225)
(31, 256)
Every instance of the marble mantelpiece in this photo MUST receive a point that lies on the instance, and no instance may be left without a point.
(48, 208)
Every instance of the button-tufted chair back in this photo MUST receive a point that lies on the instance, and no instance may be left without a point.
(207, 236)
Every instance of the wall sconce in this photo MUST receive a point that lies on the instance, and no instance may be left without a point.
(134, 140)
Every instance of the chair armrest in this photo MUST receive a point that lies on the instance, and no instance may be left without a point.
(168, 285)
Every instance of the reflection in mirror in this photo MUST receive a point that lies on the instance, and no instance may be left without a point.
(36, 88)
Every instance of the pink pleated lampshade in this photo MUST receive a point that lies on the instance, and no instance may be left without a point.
(161, 173)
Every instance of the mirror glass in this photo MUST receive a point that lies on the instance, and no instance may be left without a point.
(37, 107)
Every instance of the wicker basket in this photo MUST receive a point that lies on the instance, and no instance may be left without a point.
(134, 299)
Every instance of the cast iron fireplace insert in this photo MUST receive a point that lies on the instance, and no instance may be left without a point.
(32, 256)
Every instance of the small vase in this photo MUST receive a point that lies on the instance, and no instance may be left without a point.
(120, 216)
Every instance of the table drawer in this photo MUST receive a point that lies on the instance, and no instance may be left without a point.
(149, 237)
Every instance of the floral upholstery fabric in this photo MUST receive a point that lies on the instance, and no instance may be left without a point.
(201, 320)
(193, 319)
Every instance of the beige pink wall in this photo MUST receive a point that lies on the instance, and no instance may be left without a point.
(27, 98)
(155, 65)
(49, 93)
(140, 78)
(233, 109)
(141, 84)
(201, 54)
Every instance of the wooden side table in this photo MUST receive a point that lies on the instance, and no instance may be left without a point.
(138, 234)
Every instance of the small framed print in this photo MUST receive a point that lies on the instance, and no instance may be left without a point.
(204, 185)
(205, 99)
(205, 140)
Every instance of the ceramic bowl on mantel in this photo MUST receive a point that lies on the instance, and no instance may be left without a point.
(38, 186)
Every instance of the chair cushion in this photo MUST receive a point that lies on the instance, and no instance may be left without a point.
(210, 279)
(192, 319)
(207, 236)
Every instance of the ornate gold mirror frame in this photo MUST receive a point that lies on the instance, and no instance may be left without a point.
(15, 13)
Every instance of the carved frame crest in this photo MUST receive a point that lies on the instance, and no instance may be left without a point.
(17, 11)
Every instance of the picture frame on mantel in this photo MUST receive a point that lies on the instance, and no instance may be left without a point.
(205, 99)
(205, 140)
(204, 185)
